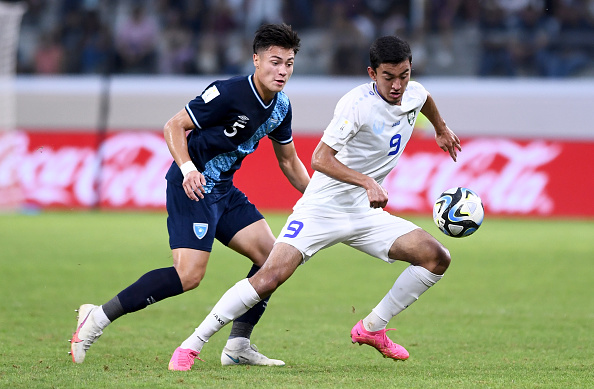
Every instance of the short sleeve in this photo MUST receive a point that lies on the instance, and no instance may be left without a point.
(208, 109)
(344, 124)
(417, 92)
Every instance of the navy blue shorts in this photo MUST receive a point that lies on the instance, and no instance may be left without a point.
(195, 224)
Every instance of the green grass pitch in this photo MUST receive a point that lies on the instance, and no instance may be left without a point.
(515, 310)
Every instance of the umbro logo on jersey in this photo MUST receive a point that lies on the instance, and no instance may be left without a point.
(200, 230)
(240, 123)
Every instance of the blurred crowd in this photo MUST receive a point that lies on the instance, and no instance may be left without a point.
(535, 38)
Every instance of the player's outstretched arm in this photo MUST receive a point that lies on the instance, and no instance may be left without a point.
(175, 136)
(291, 165)
(445, 138)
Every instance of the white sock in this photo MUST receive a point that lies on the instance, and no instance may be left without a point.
(374, 323)
(238, 343)
(412, 283)
(101, 318)
(234, 303)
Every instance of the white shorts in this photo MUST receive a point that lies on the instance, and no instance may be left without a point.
(310, 230)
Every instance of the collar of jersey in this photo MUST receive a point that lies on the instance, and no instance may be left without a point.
(256, 93)
(382, 97)
(377, 93)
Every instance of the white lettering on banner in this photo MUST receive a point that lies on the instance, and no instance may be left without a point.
(84, 182)
(134, 167)
(13, 148)
(125, 181)
(504, 173)
(48, 175)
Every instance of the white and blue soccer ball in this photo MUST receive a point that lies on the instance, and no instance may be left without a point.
(458, 212)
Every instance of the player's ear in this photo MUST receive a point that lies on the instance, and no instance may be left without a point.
(256, 60)
(371, 73)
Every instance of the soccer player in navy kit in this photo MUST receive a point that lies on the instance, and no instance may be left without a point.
(225, 124)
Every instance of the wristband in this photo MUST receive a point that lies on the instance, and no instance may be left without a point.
(187, 167)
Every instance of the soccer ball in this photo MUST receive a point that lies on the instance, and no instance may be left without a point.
(458, 212)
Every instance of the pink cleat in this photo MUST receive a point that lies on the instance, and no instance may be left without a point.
(183, 359)
(379, 340)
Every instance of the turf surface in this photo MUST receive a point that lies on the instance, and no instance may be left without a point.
(515, 310)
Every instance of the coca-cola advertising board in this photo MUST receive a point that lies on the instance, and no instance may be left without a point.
(126, 170)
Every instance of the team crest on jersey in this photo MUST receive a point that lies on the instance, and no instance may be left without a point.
(240, 123)
(411, 117)
(200, 230)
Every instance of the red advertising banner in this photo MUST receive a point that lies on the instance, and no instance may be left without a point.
(513, 177)
(126, 170)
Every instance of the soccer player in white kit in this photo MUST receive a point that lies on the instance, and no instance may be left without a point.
(344, 201)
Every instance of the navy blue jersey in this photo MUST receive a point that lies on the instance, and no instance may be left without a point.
(230, 119)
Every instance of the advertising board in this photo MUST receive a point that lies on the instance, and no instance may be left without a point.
(126, 170)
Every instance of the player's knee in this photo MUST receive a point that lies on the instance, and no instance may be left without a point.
(265, 283)
(433, 256)
(440, 259)
(267, 287)
(190, 280)
(444, 258)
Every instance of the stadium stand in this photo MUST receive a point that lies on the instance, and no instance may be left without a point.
(491, 38)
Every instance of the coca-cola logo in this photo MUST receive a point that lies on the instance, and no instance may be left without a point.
(132, 171)
(507, 175)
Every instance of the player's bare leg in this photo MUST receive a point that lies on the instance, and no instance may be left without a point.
(281, 264)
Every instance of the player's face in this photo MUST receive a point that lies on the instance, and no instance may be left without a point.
(391, 80)
(274, 67)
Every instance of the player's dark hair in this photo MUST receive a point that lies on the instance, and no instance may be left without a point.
(281, 35)
(389, 49)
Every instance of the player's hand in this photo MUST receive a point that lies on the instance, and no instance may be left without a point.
(193, 185)
(448, 142)
(378, 196)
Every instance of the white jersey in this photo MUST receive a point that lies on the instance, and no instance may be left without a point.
(369, 136)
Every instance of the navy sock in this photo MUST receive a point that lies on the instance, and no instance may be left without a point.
(154, 286)
(247, 321)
